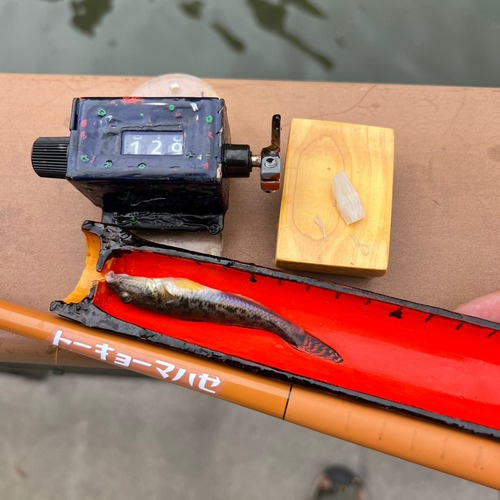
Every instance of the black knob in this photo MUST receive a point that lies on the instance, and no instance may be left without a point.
(49, 156)
(236, 160)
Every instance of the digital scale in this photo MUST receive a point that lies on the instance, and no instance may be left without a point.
(155, 163)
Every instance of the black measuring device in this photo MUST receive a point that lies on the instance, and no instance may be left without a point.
(155, 163)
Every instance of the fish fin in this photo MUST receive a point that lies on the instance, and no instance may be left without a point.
(316, 348)
(186, 284)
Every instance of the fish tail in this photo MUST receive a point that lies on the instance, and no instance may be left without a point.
(304, 341)
(315, 347)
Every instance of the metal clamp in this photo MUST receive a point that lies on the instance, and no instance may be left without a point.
(270, 168)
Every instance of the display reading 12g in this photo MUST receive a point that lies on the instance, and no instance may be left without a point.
(152, 143)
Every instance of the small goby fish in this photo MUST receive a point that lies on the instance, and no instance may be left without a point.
(188, 300)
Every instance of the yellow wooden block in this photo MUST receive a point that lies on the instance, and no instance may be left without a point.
(317, 152)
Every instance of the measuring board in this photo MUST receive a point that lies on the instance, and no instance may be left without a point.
(403, 356)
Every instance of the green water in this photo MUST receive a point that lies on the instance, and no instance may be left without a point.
(418, 41)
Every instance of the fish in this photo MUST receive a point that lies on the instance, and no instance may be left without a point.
(188, 300)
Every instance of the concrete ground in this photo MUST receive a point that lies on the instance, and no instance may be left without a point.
(77, 437)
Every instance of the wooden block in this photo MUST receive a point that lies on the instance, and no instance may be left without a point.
(317, 151)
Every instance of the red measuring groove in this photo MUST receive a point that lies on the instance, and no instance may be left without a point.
(403, 355)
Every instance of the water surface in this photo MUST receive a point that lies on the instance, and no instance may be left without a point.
(397, 41)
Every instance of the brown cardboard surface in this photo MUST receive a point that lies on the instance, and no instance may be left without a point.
(446, 200)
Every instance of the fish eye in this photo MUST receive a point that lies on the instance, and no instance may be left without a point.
(125, 296)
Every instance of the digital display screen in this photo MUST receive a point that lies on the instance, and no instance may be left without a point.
(152, 143)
